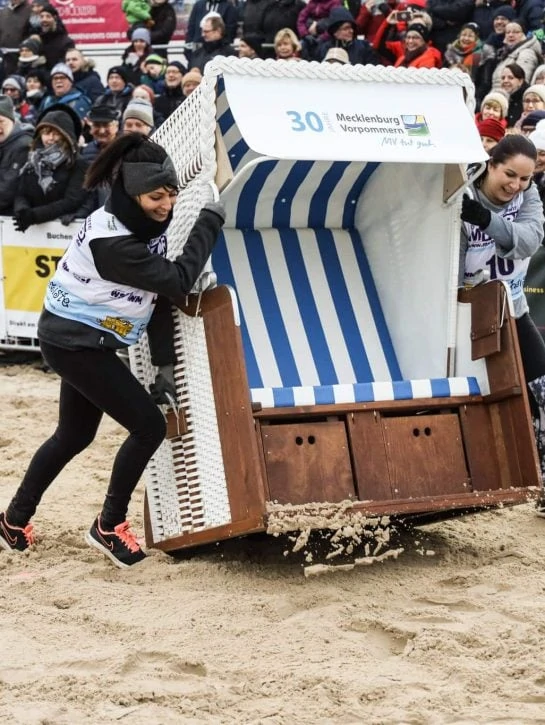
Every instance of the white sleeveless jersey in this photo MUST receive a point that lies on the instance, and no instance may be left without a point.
(481, 254)
(77, 291)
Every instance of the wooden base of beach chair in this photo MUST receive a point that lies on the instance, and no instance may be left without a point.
(394, 458)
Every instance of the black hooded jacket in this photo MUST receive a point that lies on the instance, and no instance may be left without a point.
(13, 156)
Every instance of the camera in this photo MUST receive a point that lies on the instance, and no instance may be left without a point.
(404, 15)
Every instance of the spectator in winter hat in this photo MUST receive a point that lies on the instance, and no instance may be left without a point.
(30, 56)
(36, 87)
(135, 53)
(251, 46)
(118, 89)
(173, 94)
(55, 39)
(154, 72)
(533, 99)
(414, 51)
(341, 29)
(138, 117)
(14, 87)
(491, 133)
(64, 91)
(51, 182)
(104, 122)
(190, 81)
(530, 122)
(336, 55)
(494, 105)
(14, 145)
(145, 93)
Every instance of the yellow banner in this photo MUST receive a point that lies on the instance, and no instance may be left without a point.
(27, 271)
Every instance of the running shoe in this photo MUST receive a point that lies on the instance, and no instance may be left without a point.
(15, 538)
(119, 545)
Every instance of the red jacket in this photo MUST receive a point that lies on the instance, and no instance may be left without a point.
(430, 58)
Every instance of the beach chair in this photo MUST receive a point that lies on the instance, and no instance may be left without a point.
(334, 370)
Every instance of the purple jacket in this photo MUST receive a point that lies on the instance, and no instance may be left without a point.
(314, 10)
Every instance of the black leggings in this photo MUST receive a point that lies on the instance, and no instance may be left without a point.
(93, 382)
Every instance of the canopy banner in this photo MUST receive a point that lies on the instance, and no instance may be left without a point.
(342, 120)
(28, 261)
(103, 21)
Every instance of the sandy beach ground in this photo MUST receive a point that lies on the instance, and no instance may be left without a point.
(450, 631)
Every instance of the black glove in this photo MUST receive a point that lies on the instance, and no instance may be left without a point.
(216, 207)
(164, 383)
(23, 219)
(67, 219)
(475, 213)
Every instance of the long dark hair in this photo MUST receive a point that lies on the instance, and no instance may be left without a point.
(132, 147)
(509, 146)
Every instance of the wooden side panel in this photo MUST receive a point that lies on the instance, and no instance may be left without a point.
(486, 312)
(480, 446)
(308, 462)
(369, 456)
(425, 455)
(246, 488)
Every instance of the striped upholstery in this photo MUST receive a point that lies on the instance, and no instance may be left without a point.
(312, 325)
(311, 321)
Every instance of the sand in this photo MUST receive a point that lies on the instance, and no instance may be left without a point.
(451, 630)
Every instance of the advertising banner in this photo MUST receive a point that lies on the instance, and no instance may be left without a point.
(103, 21)
(354, 121)
(28, 262)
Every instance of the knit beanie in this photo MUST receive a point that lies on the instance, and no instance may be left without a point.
(421, 29)
(505, 11)
(499, 98)
(532, 119)
(255, 41)
(120, 71)
(141, 34)
(473, 27)
(537, 137)
(32, 44)
(192, 76)
(182, 67)
(336, 55)
(47, 8)
(155, 58)
(17, 82)
(6, 108)
(491, 128)
(538, 90)
(140, 109)
(62, 69)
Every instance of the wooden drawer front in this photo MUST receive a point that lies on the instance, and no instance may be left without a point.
(425, 455)
(307, 462)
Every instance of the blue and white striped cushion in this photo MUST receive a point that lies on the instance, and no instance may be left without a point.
(365, 392)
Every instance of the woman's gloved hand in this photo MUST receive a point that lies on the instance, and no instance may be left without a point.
(24, 218)
(164, 386)
(216, 207)
(474, 212)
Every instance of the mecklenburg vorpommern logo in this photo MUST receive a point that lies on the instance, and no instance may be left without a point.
(416, 125)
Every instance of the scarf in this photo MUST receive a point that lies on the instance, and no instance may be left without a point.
(130, 213)
(411, 55)
(44, 161)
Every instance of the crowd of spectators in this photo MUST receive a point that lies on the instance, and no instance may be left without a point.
(57, 113)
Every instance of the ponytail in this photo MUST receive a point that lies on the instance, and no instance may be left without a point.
(131, 147)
